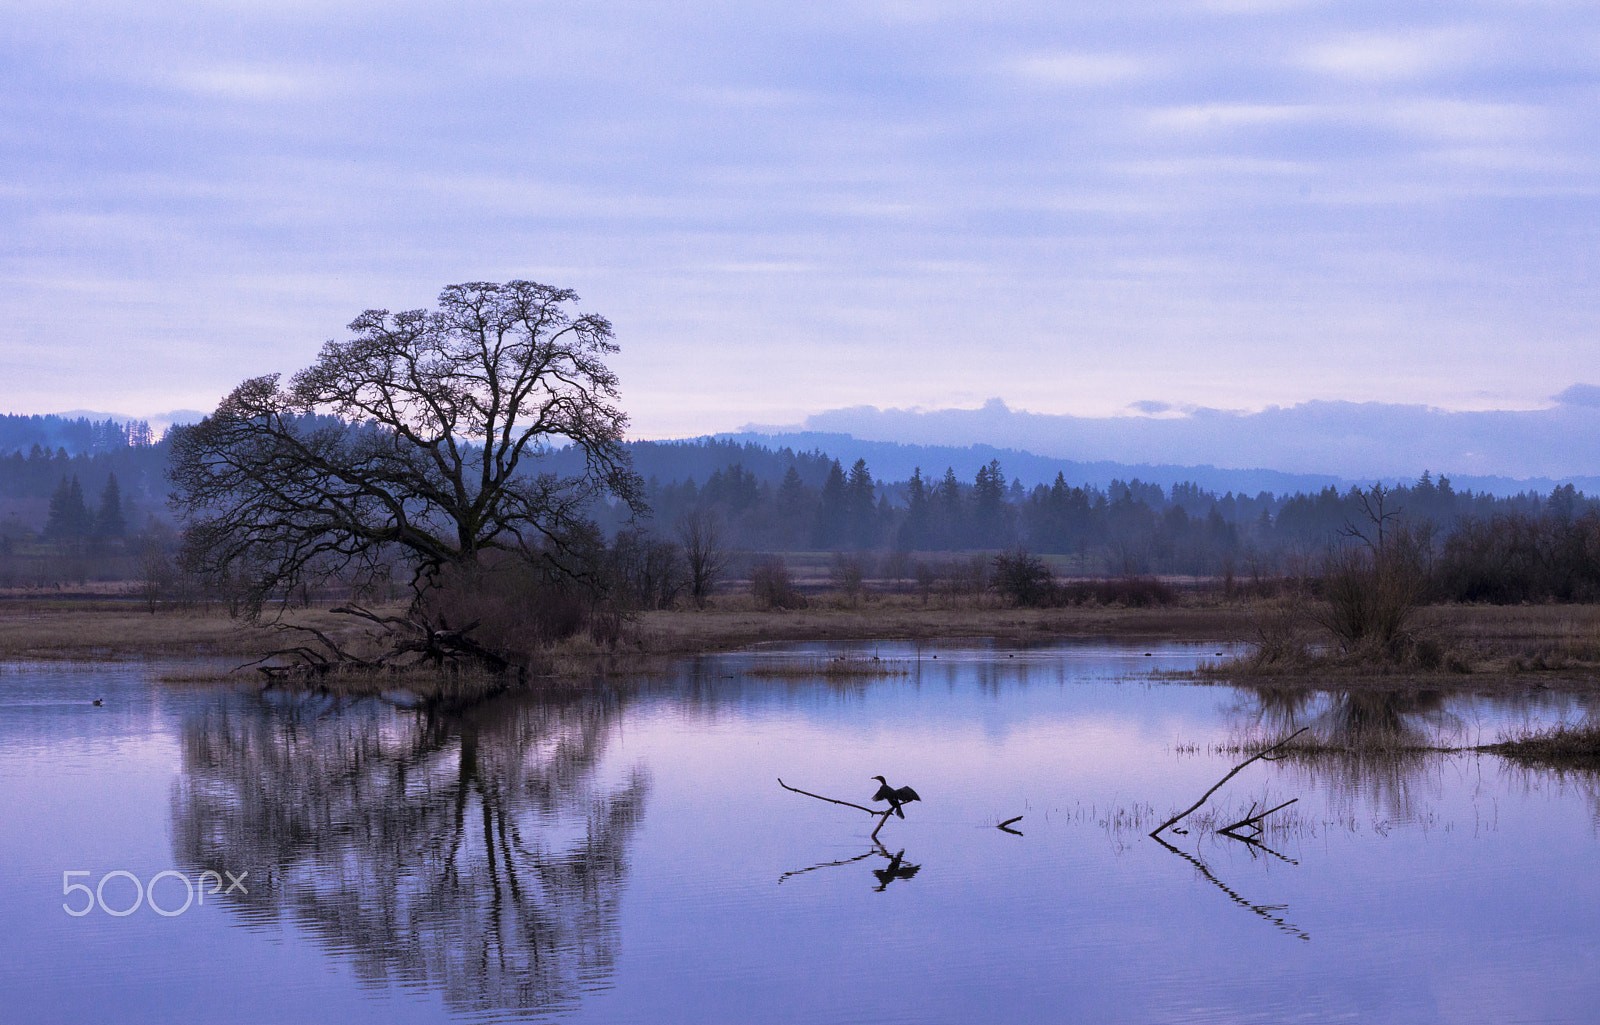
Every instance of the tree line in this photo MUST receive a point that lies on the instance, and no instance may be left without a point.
(473, 456)
(76, 434)
(1483, 547)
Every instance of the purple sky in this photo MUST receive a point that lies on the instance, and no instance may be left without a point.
(790, 208)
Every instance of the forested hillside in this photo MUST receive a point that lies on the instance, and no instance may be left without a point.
(781, 500)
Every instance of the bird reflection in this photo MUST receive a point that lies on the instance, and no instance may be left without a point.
(895, 867)
(480, 854)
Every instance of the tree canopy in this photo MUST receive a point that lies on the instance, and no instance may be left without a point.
(418, 439)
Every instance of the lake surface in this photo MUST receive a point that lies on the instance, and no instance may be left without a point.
(631, 857)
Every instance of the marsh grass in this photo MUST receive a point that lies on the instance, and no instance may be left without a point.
(1499, 646)
(737, 621)
(1566, 746)
(76, 630)
(1496, 645)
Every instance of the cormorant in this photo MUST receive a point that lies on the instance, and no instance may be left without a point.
(896, 796)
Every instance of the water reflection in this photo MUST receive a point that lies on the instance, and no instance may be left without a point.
(1363, 745)
(478, 855)
(1268, 912)
(896, 866)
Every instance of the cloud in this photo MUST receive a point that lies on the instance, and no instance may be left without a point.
(1580, 395)
(248, 83)
(1209, 117)
(789, 208)
(1081, 69)
(1380, 57)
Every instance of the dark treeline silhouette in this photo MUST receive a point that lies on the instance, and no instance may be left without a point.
(31, 478)
(1480, 547)
(78, 435)
(1129, 527)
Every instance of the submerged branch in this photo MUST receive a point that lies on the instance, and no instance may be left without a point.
(1235, 771)
(1253, 821)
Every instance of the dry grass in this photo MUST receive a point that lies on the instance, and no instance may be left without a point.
(735, 622)
(1566, 746)
(86, 629)
(1486, 647)
(1554, 646)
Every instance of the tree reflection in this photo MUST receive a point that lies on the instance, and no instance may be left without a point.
(1365, 743)
(478, 854)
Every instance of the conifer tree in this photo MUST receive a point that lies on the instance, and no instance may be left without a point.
(109, 521)
(832, 512)
(861, 527)
(69, 517)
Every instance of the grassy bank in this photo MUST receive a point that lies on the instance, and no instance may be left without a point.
(1479, 646)
(1567, 746)
(88, 628)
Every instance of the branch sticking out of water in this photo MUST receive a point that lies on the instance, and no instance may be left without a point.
(1155, 833)
(830, 800)
(1252, 821)
(1005, 827)
(883, 816)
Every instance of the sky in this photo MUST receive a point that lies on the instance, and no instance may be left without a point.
(1088, 209)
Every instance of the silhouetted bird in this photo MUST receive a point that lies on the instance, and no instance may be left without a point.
(896, 796)
(97, 702)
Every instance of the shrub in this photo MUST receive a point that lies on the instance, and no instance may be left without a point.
(1128, 592)
(771, 587)
(644, 571)
(1024, 579)
(519, 608)
(849, 576)
(1369, 597)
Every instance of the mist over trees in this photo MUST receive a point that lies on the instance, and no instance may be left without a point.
(74, 436)
(1482, 547)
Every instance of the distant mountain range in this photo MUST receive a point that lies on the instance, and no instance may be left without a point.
(158, 421)
(893, 461)
(1346, 441)
(1301, 448)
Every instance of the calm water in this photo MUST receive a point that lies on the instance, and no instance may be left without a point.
(632, 858)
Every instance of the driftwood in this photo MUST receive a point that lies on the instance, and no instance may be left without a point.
(1252, 821)
(1005, 827)
(883, 816)
(413, 640)
(1155, 833)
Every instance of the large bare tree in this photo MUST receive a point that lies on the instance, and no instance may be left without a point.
(417, 441)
